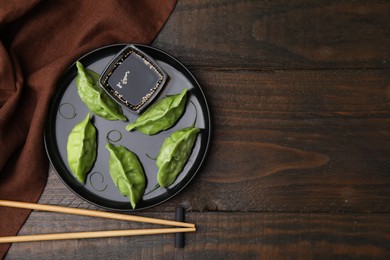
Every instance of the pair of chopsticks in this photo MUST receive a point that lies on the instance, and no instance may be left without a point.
(184, 227)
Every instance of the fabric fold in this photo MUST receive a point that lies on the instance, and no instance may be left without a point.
(38, 41)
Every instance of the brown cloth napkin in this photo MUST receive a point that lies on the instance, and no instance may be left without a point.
(39, 39)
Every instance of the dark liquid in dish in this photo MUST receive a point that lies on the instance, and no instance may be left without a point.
(134, 79)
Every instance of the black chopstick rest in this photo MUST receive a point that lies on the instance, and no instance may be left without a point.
(179, 238)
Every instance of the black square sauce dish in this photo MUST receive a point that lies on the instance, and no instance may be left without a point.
(133, 79)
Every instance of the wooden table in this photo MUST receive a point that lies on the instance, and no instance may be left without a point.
(299, 165)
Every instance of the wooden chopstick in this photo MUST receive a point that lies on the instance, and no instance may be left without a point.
(94, 213)
(93, 234)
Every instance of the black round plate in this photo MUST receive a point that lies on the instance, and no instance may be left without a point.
(67, 109)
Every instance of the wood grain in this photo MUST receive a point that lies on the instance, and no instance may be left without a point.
(279, 34)
(289, 141)
(223, 235)
(300, 156)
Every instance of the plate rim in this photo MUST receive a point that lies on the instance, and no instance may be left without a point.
(57, 92)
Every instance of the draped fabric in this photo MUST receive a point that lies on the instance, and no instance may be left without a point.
(39, 39)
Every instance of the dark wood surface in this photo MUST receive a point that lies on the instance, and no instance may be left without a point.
(299, 164)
